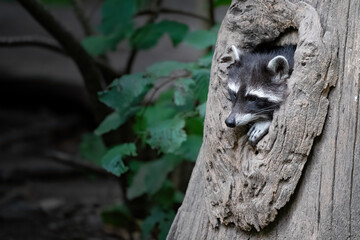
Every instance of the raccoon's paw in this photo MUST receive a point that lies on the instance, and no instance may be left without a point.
(257, 131)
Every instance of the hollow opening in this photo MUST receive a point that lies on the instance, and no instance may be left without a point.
(284, 45)
(285, 38)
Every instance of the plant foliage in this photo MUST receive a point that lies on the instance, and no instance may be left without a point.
(163, 111)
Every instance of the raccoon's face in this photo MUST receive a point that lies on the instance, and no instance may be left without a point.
(256, 88)
(250, 104)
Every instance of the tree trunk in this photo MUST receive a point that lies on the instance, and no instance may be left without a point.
(235, 191)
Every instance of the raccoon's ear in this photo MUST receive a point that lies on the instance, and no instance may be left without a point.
(237, 53)
(280, 66)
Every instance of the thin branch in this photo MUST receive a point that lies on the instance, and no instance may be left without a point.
(134, 52)
(154, 14)
(43, 42)
(174, 11)
(130, 61)
(109, 74)
(93, 8)
(31, 41)
(161, 85)
(69, 160)
(36, 129)
(90, 72)
(78, 9)
(211, 12)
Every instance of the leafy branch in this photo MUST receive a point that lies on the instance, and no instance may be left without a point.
(77, 4)
(134, 51)
(157, 114)
(174, 11)
(211, 12)
(46, 43)
(32, 41)
(90, 72)
(69, 160)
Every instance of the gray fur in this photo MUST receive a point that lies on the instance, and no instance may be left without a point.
(280, 66)
(257, 86)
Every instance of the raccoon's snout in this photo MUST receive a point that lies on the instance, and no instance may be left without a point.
(230, 121)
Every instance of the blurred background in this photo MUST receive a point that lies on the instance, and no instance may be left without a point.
(101, 114)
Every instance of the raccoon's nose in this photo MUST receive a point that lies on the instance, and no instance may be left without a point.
(230, 122)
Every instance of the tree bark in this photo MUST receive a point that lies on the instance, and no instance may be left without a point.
(326, 203)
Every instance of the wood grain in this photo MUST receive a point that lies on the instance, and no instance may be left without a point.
(326, 202)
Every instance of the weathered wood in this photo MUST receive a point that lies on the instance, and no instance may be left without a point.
(247, 186)
(326, 204)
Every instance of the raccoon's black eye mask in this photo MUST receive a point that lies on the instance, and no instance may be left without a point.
(232, 95)
(252, 98)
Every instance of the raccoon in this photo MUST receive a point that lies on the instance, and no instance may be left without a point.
(257, 86)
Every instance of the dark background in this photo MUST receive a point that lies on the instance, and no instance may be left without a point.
(44, 111)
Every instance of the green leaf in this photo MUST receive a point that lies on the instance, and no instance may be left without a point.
(190, 148)
(145, 37)
(115, 120)
(183, 91)
(99, 44)
(215, 29)
(148, 35)
(158, 217)
(165, 100)
(126, 91)
(143, 4)
(151, 176)
(167, 135)
(117, 15)
(117, 216)
(166, 196)
(202, 109)
(179, 197)
(162, 69)
(202, 78)
(218, 3)
(124, 95)
(151, 116)
(111, 122)
(177, 31)
(201, 39)
(194, 125)
(112, 160)
(206, 60)
(92, 148)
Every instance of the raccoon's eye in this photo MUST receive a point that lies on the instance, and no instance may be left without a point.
(251, 98)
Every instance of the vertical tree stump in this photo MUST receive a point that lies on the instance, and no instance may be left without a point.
(245, 185)
(236, 188)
